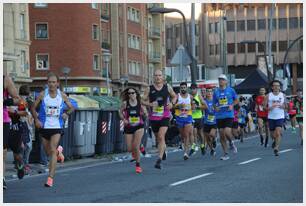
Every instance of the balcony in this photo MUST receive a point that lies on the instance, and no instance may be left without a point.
(105, 45)
(154, 57)
(154, 32)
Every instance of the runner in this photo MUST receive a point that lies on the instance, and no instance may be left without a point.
(10, 98)
(275, 103)
(197, 118)
(156, 97)
(298, 104)
(132, 113)
(241, 122)
(292, 115)
(209, 120)
(235, 122)
(262, 115)
(224, 100)
(183, 113)
(51, 120)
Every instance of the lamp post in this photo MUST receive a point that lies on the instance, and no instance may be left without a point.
(106, 58)
(265, 54)
(66, 71)
(158, 10)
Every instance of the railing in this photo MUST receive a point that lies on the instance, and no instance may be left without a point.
(154, 32)
(105, 45)
(154, 56)
(105, 17)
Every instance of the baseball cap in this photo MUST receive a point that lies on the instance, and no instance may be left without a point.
(222, 76)
(193, 85)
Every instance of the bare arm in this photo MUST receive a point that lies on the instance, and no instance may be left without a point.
(265, 104)
(145, 98)
(172, 95)
(145, 112)
(9, 85)
(33, 109)
(68, 103)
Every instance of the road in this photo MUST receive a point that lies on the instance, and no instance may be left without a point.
(254, 175)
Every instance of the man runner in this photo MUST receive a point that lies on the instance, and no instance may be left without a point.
(262, 115)
(298, 104)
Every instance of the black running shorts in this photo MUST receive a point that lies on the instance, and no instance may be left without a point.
(156, 124)
(227, 122)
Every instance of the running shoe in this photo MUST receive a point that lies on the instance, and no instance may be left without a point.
(241, 139)
(196, 148)
(191, 152)
(261, 140)
(266, 142)
(157, 164)
(276, 152)
(214, 143)
(20, 171)
(49, 182)
(27, 169)
(142, 150)
(181, 147)
(4, 184)
(138, 170)
(212, 152)
(273, 144)
(225, 157)
(233, 147)
(164, 155)
(203, 150)
(186, 157)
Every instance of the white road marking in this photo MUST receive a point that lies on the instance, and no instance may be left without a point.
(286, 150)
(246, 162)
(190, 179)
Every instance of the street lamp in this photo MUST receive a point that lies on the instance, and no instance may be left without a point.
(265, 54)
(66, 71)
(106, 59)
(158, 10)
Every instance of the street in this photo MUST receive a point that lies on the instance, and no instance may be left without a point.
(254, 175)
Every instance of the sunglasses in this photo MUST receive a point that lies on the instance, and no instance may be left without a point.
(131, 93)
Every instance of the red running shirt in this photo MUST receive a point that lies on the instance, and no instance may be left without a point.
(261, 112)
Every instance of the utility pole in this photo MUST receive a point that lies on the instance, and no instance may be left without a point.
(192, 34)
(270, 69)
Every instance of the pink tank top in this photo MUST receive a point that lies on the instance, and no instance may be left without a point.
(6, 117)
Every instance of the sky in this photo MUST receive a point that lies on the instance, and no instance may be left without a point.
(185, 8)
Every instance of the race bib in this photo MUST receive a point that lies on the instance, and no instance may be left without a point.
(158, 111)
(261, 108)
(239, 120)
(223, 102)
(211, 118)
(52, 111)
(134, 120)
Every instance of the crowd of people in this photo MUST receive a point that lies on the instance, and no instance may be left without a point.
(199, 115)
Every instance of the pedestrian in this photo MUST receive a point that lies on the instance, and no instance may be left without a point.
(298, 105)
(275, 103)
(50, 121)
(183, 115)
(197, 120)
(241, 122)
(10, 98)
(209, 120)
(157, 98)
(132, 113)
(292, 115)
(224, 99)
(262, 115)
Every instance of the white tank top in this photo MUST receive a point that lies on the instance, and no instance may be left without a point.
(276, 113)
(182, 100)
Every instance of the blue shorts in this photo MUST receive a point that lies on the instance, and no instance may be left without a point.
(273, 123)
(182, 121)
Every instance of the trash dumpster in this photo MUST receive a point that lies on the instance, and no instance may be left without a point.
(109, 136)
(83, 126)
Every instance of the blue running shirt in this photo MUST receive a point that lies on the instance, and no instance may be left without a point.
(222, 99)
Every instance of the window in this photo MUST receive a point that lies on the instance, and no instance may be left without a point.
(94, 5)
(293, 22)
(169, 55)
(282, 23)
(177, 31)
(203, 71)
(40, 5)
(294, 46)
(137, 16)
(283, 45)
(134, 42)
(217, 49)
(251, 48)
(261, 24)
(273, 24)
(42, 61)
(23, 60)
(133, 14)
(230, 25)
(211, 49)
(22, 27)
(211, 27)
(241, 48)
(261, 47)
(240, 25)
(41, 31)
(95, 64)
(231, 48)
(217, 27)
(301, 22)
(251, 25)
(95, 33)
(274, 46)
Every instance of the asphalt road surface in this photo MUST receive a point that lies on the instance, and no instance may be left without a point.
(254, 175)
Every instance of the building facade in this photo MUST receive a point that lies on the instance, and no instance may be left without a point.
(77, 35)
(224, 27)
(16, 42)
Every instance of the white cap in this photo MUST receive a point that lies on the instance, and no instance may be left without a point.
(222, 76)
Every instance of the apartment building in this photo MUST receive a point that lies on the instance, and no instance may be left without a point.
(16, 42)
(77, 36)
(249, 22)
